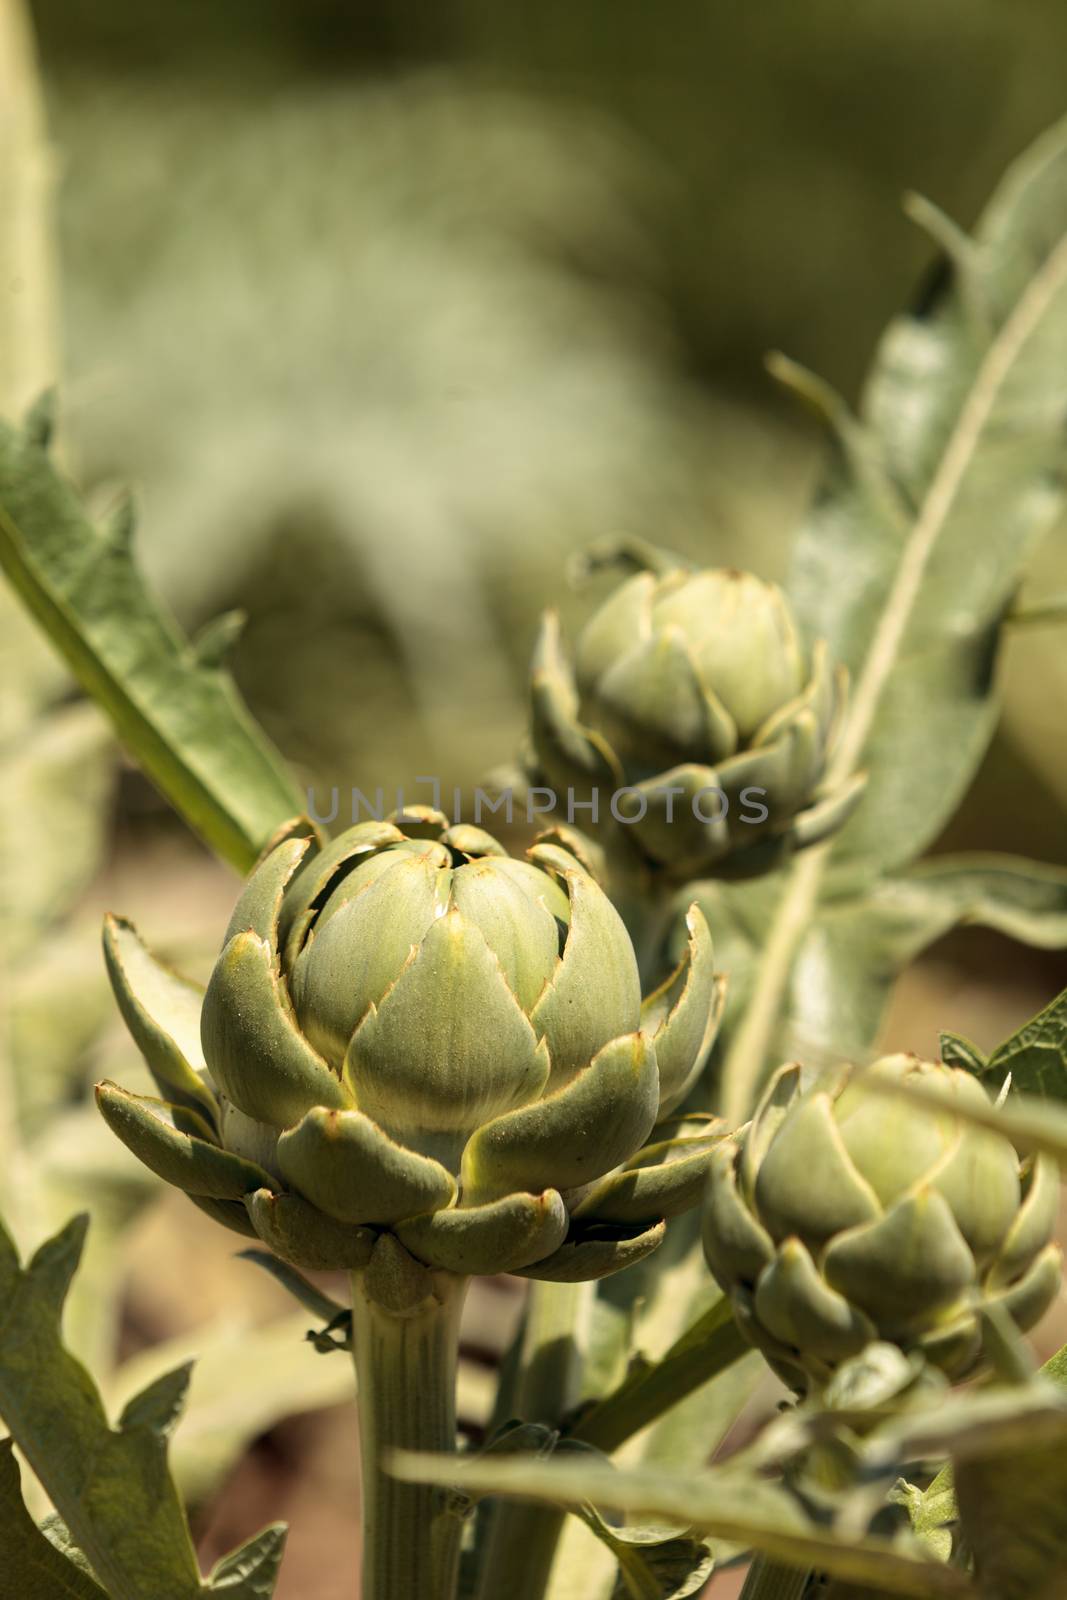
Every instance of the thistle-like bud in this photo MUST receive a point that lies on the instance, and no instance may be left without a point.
(839, 1217)
(409, 1031)
(693, 708)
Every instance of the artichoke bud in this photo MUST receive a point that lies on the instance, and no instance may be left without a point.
(839, 1217)
(409, 1032)
(694, 712)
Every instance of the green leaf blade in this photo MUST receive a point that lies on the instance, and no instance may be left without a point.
(733, 1505)
(178, 713)
(963, 414)
(31, 1563)
(112, 1487)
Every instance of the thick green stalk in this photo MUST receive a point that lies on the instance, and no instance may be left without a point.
(405, 1343)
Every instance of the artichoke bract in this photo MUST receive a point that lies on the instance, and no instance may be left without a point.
(840, 1216)
(410, 1031)
(693, 720)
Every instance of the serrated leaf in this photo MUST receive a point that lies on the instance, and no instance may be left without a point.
(245, 1379)
(907, 566)
(180, 716)
(250, 1572)
(725, 1503)
(111, 1486)
(158, 1406)
(31, 1563)
(956, 1051)
(1035, 1055)
(965, 415)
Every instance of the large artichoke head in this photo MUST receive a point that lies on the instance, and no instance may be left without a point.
(692, 703)
(840, 1216)
(408, 1030)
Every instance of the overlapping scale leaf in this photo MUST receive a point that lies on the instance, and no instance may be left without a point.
(449, 1047)
(353, 957)
(594, 994)
(162, 1011)
(665, 1178)
(499, 1236)
(253, 1047)
(574, 1135)
(683, 1014)
(178, 1146)
(305, 1236)
(887, 1204)
(415, 1036)
(693, 701)
(345, 1165)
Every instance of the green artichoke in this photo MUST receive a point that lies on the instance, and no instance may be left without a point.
(694, 719)
(409, 1030)
(840, 1216)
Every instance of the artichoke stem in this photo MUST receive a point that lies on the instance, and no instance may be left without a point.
(405, 1343)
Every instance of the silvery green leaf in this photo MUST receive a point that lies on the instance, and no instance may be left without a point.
(918, 621)
(110, 1485)
(860, 937)
(179, 715)
(1035, 1056)
(932, 1513)
(727, 1503)
(31, 1563)
(245, 1379)
(934, 520)
(956, 1051)
(251, 1572)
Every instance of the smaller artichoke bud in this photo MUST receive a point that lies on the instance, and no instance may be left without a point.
(839, 1217)
(690, 693)
(407, 1031)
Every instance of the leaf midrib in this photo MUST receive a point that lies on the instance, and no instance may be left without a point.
(743, 1067)
(939, 500)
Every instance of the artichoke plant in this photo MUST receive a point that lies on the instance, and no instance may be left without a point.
(840, 1216)
(692, 725)
(409, 1032)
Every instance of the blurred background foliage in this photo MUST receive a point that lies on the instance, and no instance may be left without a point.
(385, 308)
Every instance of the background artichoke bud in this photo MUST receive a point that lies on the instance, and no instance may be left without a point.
(839, 1217)
(691, 692)
(408, 1030)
